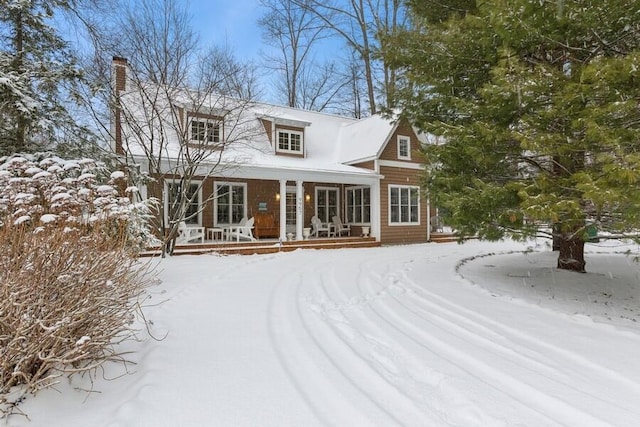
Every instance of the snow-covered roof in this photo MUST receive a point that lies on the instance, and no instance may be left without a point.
(364, 139)
(331, 143)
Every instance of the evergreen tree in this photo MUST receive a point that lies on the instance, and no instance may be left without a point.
(539, 105)
(37, 72)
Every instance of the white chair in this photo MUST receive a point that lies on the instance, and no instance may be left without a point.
(189, 234)
(318, 227)
(242, 230)
(340, 227)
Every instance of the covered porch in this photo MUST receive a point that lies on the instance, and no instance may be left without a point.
(283, 205)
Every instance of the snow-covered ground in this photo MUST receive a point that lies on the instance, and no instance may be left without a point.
(421, 335)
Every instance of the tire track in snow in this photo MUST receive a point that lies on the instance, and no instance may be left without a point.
(527, 394)
(318, 376)
(428, 388)
(474, 325)
(344, 349)
(424, 388)
(282, 337)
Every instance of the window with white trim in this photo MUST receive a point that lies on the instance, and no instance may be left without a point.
(289, 141)
(404, 147)
(326, 203)
(404, 205)
(230, 204)
(205, 131)
(358, 205)
(191, 196)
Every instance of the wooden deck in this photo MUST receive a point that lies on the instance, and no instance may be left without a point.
(266, 246)
(443, 237)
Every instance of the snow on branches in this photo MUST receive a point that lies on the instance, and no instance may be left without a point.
(77, 194)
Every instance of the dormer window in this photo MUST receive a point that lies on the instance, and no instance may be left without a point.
(289, 141)
(205, 131)
(404, 148)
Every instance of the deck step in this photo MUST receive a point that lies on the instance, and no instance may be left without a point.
(443, 237)
(267, 246)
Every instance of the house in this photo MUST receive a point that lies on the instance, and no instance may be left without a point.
(282, 163)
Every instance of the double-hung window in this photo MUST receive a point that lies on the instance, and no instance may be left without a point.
(289, 141)
(230, 202)
(358, 205)
(205, 131)
(404, 205)
(404, 147)
(189, 195)
(326, 203)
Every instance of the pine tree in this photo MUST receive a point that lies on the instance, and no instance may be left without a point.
(539, 105)
(37, 71)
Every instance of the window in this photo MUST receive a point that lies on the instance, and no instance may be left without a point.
(404, 205)
(230, 202)
(205, 131)
(290, 141)
(359, 205)
(326, 203)
(404, 147)
(191, 197)
(291, 207)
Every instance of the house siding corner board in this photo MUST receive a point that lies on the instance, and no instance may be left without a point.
(401, 234)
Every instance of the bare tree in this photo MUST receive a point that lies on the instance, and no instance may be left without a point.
(294, 31)
(362, 24)
(174, 117)
(218, 68)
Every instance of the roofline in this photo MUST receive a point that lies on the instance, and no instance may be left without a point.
(387, 139)
(252, 171)
(360, 160)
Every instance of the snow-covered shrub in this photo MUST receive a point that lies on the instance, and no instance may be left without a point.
(70, 285)
(78, 194)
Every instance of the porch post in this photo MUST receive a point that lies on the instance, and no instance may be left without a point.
(283, 210)
(299, 207)
(375, 210)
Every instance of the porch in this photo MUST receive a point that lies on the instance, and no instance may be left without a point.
(266, 246)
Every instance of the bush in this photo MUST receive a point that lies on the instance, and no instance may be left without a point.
(70, 286)
(72, 193)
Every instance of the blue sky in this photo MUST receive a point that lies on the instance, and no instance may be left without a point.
(229, 21)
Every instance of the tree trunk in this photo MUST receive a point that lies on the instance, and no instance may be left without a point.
(557, 236)
(571, 256)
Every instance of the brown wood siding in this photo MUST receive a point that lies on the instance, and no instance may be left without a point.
(366, 165)
(390, 152)
(394, 234)
(257, 191)
(268, 129)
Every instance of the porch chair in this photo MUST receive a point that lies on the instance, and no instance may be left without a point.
(242, 231)
(340, 227)
(318, 227)
(187, 234)
(437, 226)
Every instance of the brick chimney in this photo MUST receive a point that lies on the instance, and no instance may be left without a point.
(119, 82)
(119, 71)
